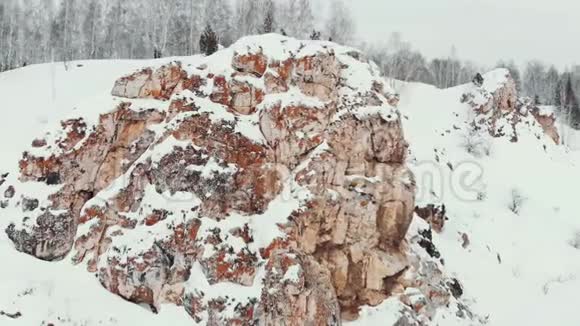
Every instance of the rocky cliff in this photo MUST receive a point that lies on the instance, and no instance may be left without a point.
(264, 184)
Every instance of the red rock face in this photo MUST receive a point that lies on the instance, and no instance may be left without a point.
(293, 131)
(355, 250)
(83, 164)
(221, 91)
(254, 64)
(275, 84)
(245, 98)
(317, 76)
(264, 179)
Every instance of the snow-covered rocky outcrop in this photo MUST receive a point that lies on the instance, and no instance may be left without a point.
(266, 183)
(499, 111)
(282, 182)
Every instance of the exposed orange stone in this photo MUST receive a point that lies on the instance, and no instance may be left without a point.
(221, 92)
(251, 63)
(285, 69)
(194, 82)
(278, 243)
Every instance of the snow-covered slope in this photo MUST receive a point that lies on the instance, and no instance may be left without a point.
(514, 268)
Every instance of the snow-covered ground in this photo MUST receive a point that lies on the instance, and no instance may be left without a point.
(518, 269)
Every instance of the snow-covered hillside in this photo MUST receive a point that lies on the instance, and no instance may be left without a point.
(517, 269)
(512, 238)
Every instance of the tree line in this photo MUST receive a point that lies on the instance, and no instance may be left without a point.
(36, 31)
(546, 85)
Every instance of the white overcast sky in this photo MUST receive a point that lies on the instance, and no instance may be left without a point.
(481, 30)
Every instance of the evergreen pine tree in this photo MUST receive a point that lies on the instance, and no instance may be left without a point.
(558, 94)
(268, 26)
(208, 42)
(478, 80)
(571, 107)
(551, 80)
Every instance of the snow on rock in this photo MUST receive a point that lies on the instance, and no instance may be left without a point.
(266, 183)
(158, 84)
(501, 112)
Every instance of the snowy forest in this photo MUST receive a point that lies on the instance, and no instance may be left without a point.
(39, 31)
(34, 31)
